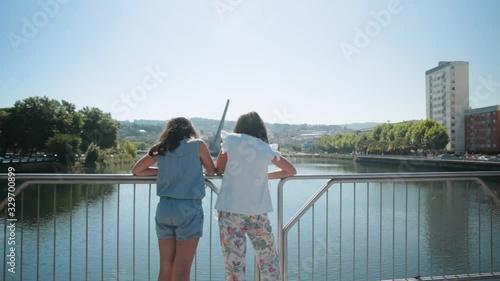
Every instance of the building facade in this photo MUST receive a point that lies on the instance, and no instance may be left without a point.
(482, 130)
(447, 98)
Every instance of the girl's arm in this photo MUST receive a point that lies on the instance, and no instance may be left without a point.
(206, 159)
(287, 169)
(220, 165)
(143, 166)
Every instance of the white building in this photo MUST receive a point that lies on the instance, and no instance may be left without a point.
(447, 98)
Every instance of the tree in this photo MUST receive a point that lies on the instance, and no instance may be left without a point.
(92, 155)
(324, 144)
(65, 147)
(141, 145)
(416, 136)
(35, 123)
(362, 143)
(435, 137)
(68, 120)
(129, 148)
(32, 121)
(427, 134)
(377, 132)
(296, 148)
(350, 143)
(387, 132)
(4, 123)
(401, 130)
(98, 128)
(378, 147)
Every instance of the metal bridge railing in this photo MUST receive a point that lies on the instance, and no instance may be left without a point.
(354, 227)
(371, 227)
(88, 227)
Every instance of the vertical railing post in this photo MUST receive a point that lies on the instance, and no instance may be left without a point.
(281, 242)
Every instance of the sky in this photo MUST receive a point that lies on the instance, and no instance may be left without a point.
(315, 62)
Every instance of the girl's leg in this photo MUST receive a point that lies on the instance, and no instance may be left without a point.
(261, 235)
(167, 256)
(233, 244)
(186, 249)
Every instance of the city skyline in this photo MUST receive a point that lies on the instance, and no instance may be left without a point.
(320, 63)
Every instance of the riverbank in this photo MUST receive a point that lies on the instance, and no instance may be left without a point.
(317, 155)
(440, 163)
(408, 161)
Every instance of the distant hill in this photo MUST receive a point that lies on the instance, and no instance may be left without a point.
(147, 131)
(361, 126)
(209, 126)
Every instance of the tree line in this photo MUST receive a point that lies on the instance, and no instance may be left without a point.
(41, 125)
(399, 138)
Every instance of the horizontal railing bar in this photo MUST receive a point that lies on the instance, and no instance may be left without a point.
(366, 176)
(86, 176)
(398, 176)
(123, 178)
(428, 175)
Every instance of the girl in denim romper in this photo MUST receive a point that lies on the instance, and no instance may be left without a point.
(180, 186)
(244, 199)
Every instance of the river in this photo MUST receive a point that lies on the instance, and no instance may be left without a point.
(442, 219)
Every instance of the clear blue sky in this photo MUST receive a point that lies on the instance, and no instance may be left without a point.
(283, 59)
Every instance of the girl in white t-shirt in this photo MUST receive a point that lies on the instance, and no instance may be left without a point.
(244, 199)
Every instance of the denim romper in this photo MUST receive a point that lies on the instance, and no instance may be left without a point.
(180, 186)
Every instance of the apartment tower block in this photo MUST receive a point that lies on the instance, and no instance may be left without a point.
(447, 98)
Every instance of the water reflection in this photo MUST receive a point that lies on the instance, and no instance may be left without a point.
(68, 197)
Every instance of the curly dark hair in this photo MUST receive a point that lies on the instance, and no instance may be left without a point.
(176, 130)
(251, 124)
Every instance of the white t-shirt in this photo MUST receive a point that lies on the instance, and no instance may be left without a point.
(244, 187)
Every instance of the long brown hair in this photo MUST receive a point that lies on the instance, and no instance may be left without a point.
(176, 130)
(251, 124)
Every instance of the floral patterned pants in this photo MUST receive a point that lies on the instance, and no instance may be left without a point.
(233, 228)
